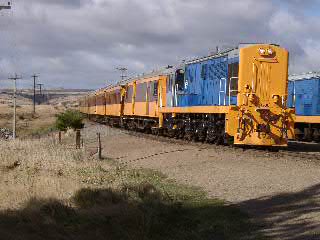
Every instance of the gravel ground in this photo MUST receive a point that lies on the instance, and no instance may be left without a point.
(282, 193)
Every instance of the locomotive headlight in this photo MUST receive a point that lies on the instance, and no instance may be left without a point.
(262, 51)
(270, 51)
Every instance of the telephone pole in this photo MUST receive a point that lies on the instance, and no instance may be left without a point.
(40, 87)
(34, 92)
(5, 7)
(123, 71)
(14, 104)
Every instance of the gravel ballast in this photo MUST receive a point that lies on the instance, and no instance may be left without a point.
(280, 192)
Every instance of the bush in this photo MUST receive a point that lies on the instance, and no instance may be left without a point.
(69, 119)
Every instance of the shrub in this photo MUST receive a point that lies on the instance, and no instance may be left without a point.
(69, 119)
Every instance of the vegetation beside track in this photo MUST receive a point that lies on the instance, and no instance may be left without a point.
(52, 191)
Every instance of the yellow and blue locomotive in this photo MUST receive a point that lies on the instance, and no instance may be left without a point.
(237, 96)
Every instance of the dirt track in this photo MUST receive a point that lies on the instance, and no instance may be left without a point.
(281, 192)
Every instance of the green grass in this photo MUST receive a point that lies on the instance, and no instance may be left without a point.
(145, 205)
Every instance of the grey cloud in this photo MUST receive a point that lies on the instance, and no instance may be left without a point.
(79, 43)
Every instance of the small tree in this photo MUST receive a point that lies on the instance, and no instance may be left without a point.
(69, 119)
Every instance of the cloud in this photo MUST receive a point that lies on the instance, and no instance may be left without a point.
(79, 43)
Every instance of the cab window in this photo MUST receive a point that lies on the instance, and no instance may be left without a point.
(180, 79)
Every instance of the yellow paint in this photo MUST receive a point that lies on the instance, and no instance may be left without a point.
(147, 99)
(161, 120)
(92, 110)
(128, 109)
(140, 109)
(134, 97)
(101, 109)
(163, 89)
(113, 110)
(308, 119)
(262, 117)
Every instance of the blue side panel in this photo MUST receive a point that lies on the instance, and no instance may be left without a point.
(205, 83)
(291, 94)
(307, 97)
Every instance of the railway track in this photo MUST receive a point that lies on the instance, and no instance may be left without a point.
(296, 150)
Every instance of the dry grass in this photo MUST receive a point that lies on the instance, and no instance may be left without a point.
(38, 168)
(52, 191)
(29, 123)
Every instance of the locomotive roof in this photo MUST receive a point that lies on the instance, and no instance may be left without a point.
(163, 71)
(304, 76)
(212, 56)
(231, 52)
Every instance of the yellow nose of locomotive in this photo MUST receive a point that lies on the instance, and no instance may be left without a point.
(262, 115)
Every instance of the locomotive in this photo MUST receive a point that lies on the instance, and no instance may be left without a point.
(304, 97)
(238, 96)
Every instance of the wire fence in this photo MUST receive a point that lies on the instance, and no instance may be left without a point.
(89, 140)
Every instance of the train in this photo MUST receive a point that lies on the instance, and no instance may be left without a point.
(304, 97)
(238, 96)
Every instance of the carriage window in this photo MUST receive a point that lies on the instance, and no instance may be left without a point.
(180, 79)
(155, 88)
(169, 83)
(141, 92)
(129, 94)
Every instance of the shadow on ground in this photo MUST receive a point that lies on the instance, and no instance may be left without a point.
(294, 216)
(303, 147)
(140, 212)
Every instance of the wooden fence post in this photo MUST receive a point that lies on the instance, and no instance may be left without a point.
(60, 138)
(78, 139)
(99, 147)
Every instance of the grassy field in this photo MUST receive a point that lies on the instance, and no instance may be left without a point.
(53, 191)
(28, 123)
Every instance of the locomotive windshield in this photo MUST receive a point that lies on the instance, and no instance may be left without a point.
(180, 79)
(233, 75)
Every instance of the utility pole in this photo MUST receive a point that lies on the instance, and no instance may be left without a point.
(14, 104)
(34, 92)
(5, 7)
(123, 71)
(40, 87)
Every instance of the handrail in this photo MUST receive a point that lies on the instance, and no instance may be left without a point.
(220, 91)
(294, 95)
(232, 90)
(176, 95)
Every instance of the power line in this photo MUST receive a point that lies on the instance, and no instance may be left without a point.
(34, 92)
(41, 96)
(14, 79)
(40, 86)
(123, 71)
(5, 7)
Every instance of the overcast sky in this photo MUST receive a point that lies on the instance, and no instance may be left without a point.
(79, 43)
